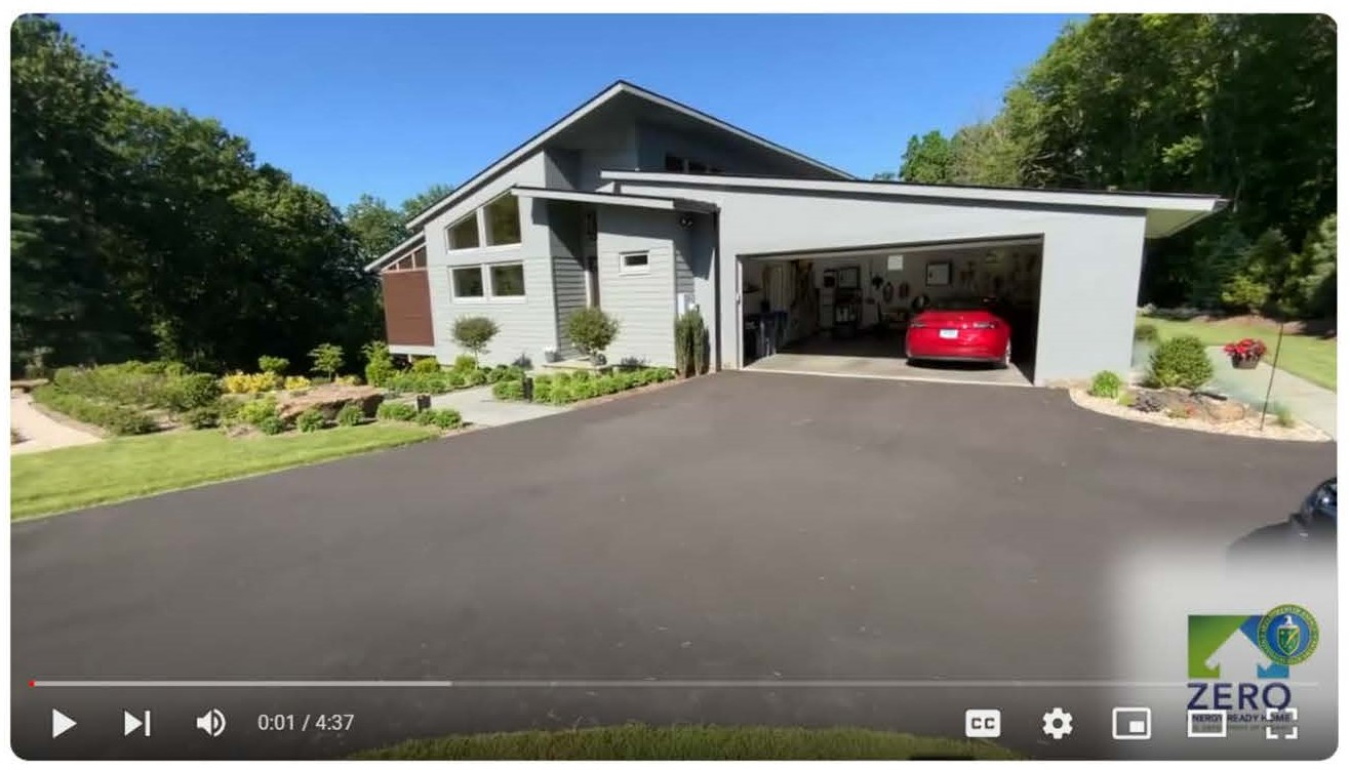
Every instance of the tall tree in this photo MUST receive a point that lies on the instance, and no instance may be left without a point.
(927, 160)
(425, 199)
(377, 227)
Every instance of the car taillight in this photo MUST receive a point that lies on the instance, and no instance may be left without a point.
(984, 325)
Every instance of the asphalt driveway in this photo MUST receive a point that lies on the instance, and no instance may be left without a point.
(741, 526)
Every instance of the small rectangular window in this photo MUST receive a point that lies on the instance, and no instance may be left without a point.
(502, 221)
(508, 280)
(633, 262)
(467, 282)
(464, 233)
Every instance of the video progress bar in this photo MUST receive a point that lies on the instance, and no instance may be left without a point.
(610, 684)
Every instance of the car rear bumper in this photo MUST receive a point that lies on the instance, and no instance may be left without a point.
(980, 345)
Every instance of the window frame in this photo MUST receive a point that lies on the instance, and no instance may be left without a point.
(478, 228)
(627, 269)
(491, 285)
(455, 296)
(483, 228)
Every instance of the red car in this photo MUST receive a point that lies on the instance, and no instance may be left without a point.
(959, 330)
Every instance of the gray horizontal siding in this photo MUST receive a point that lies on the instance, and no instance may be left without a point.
(644, 305)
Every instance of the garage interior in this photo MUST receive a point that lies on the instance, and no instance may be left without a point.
(846, 312)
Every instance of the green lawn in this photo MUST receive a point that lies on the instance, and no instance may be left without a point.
(1312, 358)
(640, 742)
(78, 477)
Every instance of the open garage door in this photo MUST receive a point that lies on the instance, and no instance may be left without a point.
(850, 312)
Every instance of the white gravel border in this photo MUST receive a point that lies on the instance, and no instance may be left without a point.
(1248, 426)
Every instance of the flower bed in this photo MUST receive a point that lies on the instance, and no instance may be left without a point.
(569, 387)
(440, 381)
(1180, 408)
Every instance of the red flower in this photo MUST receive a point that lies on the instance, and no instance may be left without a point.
(1246, 348)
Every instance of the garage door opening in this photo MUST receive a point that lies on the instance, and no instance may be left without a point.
(849, 312)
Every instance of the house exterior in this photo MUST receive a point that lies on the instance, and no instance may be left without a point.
(647, 207)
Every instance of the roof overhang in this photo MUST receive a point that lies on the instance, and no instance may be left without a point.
(571, 118)
(1166, 213)
(615, 199)
(397, 251)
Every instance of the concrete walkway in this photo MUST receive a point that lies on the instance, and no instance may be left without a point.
(1311, 403)
(40, 432)
(477, 406)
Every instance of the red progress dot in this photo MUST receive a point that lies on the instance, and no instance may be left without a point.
(32, 683)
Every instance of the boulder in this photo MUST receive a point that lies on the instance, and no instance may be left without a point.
(328, 399)
(1224, 411)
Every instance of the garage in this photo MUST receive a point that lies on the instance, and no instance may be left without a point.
(847, 312)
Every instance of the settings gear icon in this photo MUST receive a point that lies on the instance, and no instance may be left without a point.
(1057, 723)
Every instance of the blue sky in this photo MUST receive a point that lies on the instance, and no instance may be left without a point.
(390, 104)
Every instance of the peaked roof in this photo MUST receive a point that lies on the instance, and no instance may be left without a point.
(615, 90)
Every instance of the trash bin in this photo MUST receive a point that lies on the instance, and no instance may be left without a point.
(423, 402)
(750, 344)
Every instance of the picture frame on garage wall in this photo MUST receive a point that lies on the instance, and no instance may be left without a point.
(938, 274)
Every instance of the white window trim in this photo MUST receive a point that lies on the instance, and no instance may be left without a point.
(492, 291)
(478, 220)
(454, 293)
(626, 269)
(482, 224)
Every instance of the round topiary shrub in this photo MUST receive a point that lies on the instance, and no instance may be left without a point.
(202, 417)
(1180, 362)
(591, 330)
(390, 410)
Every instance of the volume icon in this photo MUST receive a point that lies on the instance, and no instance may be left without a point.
(212, 723)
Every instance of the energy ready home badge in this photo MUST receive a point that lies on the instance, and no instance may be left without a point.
(1244, 660)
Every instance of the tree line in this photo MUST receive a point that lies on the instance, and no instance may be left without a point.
(1243, 106)
(142, 232)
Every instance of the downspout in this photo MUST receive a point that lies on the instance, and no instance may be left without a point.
(717, 286)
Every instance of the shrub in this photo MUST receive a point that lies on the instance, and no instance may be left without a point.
(560, 395)
(296, 383)
(310, 420)
(1105, 385)
(475, 378)
(127, 384)
(412, 382)
(240, 382)
(592, 330)
(118, 420)
(583, 390)
(1126, 399)
(191, 391)
(664, 374)
(349, 415)
(1245, 292)
(473, 333)
(1146, 333)
(428, 365)
(327, 359)
(349, 379)
(543, 390)
(580, 376)
(271, 425)
(464, 364)
(691, 344)
(445, 419)
(379, 362)
(274, 364)
(509, 390)
(202, 417)
(1180, 362)
(227, 410)
(1284, 416)
(391, 410)
(256, 411)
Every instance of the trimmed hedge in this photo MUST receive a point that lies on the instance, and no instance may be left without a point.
(118, 420)
(1180, 362)
(390, 410)
(569, 387)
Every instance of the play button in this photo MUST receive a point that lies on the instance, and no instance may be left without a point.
(60, 723)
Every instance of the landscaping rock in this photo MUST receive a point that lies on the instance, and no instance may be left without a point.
(1223, 411)
(328, 399)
